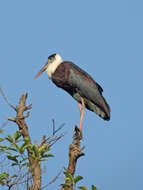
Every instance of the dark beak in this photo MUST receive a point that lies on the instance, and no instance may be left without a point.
(41, 71)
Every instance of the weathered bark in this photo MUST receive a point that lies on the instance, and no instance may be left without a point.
(75, 152)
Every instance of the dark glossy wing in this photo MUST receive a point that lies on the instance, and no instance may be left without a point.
(87, 88)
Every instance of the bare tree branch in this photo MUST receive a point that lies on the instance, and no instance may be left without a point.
(54, 179)
(50, 141)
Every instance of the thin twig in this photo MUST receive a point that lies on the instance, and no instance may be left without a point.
(5, 98)
(56, 139)
(61, 126)
(53, 139)
(53, 127)
(54, 179)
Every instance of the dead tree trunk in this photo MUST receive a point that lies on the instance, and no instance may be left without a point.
(34, 165)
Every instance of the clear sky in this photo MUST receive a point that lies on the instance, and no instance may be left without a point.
(105, 38)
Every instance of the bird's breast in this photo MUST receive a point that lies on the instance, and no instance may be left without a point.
(61, 75)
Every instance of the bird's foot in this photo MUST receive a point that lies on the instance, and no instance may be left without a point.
(77, 133)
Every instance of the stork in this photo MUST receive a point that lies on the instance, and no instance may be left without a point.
(79, 84)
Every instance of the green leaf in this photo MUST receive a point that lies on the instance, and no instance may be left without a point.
(93, 187)
(3, 176)
(14, 164)
(9, 153)
(35, 150)
(9, 138)
(23, 147)
(13, 158)
(41, 160)
(15, 146)
(3, 146)
(10, 148)
(1, 139)
(65, 185)
(1, 130)
(82, 187)
(17, 135)
(69, 175)
(77, 178)
(43, 148)
(67, 179)
(47, 155)
(26, 140)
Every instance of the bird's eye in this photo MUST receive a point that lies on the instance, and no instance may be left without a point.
(52, 57)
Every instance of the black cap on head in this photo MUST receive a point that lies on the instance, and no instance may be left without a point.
(52, 56)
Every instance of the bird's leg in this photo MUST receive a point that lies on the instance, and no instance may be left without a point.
(82, 109)
(79, 106)
(77, 133)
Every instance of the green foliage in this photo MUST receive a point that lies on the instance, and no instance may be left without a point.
(83, 188)
(3, 178)
(14, 149)
(93, 187)
(68, 177)
(77, 179)
(40, 154)
(1, 139)
(13, 158)
(71, 181)
(17, 135)
(1, 130)
(65, 185)
(9, 138)
(16, 146)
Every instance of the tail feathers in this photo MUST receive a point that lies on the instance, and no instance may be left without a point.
(101, 112)
(102, 109)
(106, 110)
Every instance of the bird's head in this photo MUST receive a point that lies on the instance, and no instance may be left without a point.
(51, 65)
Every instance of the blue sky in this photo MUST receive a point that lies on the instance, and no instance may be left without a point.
(105, 38)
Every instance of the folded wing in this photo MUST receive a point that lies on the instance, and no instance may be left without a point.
(84, 86)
